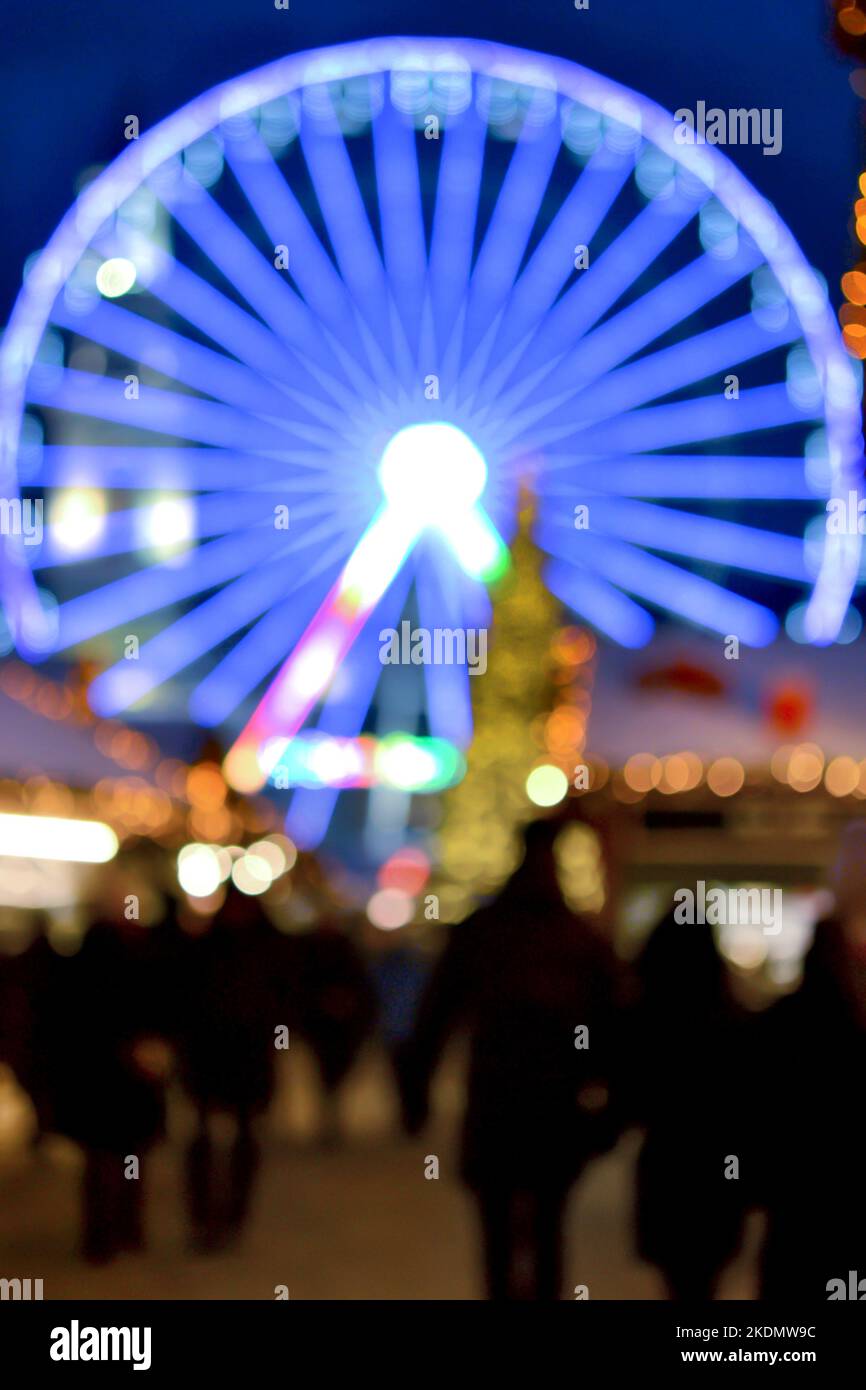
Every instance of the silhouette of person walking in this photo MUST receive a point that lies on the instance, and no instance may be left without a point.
(811, 1123)
(336, 1009)
(107, 1070)
(233, 1004)
(685, 1075)
(523, 975)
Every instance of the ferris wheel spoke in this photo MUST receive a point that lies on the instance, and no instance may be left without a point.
(401, 217)
(637, 325)
(166, 412)
(661, 373)
(345, 706)
(694, 360)
(347, 223)
(670, 587)
(683, 422)
(552, 261)
(218, 618)
(342, 715)
(697, 537)
(488, 284)
(145, 468)
(141, 340)
(282, 217)
(257, 653)
(248, 339)
(184, 641)
(243, 265)
(454, 216)
(597, 289)
(342, 326)
(150, 589)
(214, 514)
(310, 813)
(596, 601)
(712, 477)
(606, 280)
(511, 223)
(449, 706)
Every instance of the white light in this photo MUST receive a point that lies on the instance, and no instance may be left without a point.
(252, 874)
(314, 668)
(546, 785)
(115, 277)
(332, 761)
(431, 472)
(167, 523)
(50, 837)
(78, 519)
(405, 765)
(273, 856)
(199, 870)
(270, 753)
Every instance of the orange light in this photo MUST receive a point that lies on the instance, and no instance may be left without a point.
(572, 646)
(725, 776)
(842, 776)
(854, 286)
(855, 342)
(681, 772)
(565, 729)
(205, 788)
(675, 775)
(852, 20)
(852, 315)
(806, 767)
(642, 772)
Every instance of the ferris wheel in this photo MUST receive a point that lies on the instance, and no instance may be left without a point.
(294, 355)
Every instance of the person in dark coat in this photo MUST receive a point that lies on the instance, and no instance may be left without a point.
(31, 998)
(810, 1140)
(535, 988)
(399, 972)
(233, 1007)
(336, 1009)
(686, 1076)
(106, 1072)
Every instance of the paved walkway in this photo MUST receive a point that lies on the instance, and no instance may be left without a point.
(356, 1221)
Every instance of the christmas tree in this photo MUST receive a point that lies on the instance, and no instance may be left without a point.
(530, 711)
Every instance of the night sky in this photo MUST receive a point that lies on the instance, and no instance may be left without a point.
(70, 72)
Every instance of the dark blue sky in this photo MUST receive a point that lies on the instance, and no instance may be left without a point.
(70, 72)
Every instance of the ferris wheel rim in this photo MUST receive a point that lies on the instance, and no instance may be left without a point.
(837, 575)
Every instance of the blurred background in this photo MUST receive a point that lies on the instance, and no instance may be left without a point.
(228, 979)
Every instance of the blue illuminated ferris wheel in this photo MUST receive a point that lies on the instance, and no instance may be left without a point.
(295, 352)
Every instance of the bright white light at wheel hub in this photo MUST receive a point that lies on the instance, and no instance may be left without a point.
(432, 471)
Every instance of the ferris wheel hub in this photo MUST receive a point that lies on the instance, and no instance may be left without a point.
(432, 471)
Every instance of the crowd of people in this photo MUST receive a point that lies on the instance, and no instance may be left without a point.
(568, 1048)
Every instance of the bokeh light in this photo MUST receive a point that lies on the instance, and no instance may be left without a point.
(390, 908)
(546, 785)
(199, 871)
(725, 776)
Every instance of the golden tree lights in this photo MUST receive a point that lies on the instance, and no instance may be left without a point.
(531, 712)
